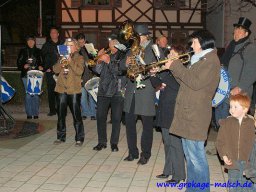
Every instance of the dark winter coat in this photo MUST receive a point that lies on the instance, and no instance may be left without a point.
(145, 97)
(112, 76)
(50, 54)
(23, 57)
(167, 99)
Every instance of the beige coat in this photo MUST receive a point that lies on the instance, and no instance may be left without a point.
(70, 83)
(193, 108)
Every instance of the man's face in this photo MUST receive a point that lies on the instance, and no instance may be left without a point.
(81, 42)
(239, 33)
(112, 44)
(143, 39)
(54, 34)
(162, 42)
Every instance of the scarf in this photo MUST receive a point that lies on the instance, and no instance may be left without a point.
(230, 50)
(196, 57)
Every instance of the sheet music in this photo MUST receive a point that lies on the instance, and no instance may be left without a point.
(64, 50)
(156, 51)
(90, 49)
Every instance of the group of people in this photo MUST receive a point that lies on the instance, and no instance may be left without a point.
(184, 110)
(33, 58)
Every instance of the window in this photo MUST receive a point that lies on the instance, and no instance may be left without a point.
(97, 2)
(170, 4)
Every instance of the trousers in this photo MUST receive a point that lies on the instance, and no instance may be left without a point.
(73, 101)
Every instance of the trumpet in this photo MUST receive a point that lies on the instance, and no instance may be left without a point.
(145, 69)
(65, 62)
(93, 62)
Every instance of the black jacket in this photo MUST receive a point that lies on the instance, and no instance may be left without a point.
(50, 54)
(88, 73)
(167, 99)
(23, 57)
(112, 76)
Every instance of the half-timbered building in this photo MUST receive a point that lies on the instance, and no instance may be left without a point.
(96, 18)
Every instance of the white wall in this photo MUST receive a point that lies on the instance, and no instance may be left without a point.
(215, 24)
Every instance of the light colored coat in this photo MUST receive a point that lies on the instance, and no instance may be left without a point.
(70, 83)
(193, 108)
(248, 76)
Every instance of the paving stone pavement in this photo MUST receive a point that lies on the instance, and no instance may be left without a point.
(40, 166)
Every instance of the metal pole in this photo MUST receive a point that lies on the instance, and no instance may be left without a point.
(40, 18)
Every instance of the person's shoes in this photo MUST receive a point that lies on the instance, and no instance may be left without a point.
(35, 117)
(29, 117)
(142, 161)
(99, 147)
(58, 141)
(162, 176)
(93, 118)
(174, 181)
(51, 114)
(114, 148)
(79, 143)
(131, 157)
(158, 129)
(84, 117)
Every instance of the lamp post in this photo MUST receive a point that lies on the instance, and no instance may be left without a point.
(40, 23)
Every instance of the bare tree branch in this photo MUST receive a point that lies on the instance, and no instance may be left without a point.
(252, 2)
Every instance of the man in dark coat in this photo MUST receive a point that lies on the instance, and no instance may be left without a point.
(140, 102)
(50, 56)
(239, 60)
(112, 81)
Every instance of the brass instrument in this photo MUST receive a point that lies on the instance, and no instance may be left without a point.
(128, 34)
(93, 62)
(65, 62)
(132, 73)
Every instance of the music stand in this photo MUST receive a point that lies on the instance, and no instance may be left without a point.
(6, 120)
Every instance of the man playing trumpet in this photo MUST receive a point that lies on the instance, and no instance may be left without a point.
(112, 81)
